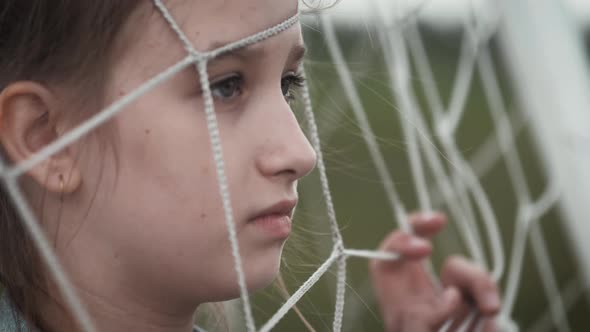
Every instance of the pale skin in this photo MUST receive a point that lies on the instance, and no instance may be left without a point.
(135, 221)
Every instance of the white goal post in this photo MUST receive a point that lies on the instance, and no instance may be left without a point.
(544, 54)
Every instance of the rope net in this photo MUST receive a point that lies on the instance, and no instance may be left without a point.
(442, 174)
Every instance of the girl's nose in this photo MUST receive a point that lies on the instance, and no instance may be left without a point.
(286, 151)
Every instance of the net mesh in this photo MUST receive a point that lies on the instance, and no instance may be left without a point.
(442, 173)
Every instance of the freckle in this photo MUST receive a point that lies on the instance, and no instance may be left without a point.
(147, 131)
(122, 93)
(203, 215)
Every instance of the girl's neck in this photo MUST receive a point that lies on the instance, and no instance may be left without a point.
(109, 315)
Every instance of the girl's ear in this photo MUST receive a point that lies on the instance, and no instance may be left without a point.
(29, 114)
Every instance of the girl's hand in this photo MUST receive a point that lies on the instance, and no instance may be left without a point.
(411, 302)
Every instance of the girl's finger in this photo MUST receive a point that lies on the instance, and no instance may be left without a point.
(474, 282)
(393, 279)
(448, 307)
(406, 245)
(488, 325)
(462, 316)
(427, 224)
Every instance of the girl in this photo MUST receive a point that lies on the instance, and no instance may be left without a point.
(132, 209)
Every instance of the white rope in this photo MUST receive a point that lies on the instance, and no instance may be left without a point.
(398, 64)
(464, 76)
(445, 127)
(299, 293)
(571, 293)
(447, 124)
(340, 293)
(525, 218)
(337, 237)
(518, 181)
(188, 46)
(371, 254)
(459, 204)
(460, 212)
(232, 46)
(336, 256)
(254, 38)
(400, 79)
(351, 93)
(316, 144)
(489, 153)
(224, 191)
(468, 321)
(97, 120)
(399, 71)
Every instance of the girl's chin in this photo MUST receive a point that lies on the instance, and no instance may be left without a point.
(261, 269)
(262, 279)
(263, 272)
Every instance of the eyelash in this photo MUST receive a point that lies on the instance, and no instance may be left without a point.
(233, 85)
(295, 81)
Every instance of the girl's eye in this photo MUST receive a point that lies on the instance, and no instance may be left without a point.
(227, 88)
(289, 85)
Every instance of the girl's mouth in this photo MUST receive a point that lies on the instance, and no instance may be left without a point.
(276, 219)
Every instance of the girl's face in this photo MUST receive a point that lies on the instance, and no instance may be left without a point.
(153, 226)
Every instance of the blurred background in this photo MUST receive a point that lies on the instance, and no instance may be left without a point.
(361, 204)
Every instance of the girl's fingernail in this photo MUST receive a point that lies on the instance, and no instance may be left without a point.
(428, 215)
(416, 242)
(449, 295)
(491, 301)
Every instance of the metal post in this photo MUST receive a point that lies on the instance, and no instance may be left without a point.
(548, 65)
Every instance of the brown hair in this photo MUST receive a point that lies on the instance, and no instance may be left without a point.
(51, 42)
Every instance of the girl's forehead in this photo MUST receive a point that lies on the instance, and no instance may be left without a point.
(149, 45)
(212, 23)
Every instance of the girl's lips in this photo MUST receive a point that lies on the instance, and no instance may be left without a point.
(276, 219)
(276, 225)
(284, 207)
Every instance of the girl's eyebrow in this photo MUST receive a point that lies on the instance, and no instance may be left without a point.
(296, 53)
